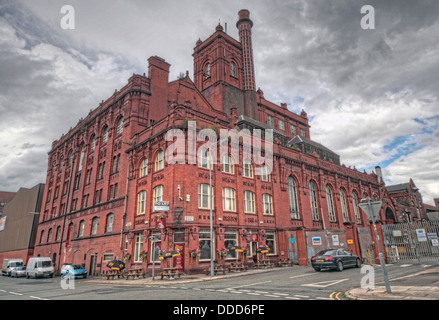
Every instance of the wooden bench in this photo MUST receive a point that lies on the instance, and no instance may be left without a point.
(217, 269)
(237, 267)
(264, 263)
(169, 273)
(112, 274)
(285, 262)
(132, 273)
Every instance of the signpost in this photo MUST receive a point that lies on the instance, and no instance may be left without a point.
(372, 209)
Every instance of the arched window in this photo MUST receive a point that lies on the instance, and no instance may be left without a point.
(119, 128)
(227, 165)
(158, 194)
(249, 202)
(81, 228)
(93, 143)
(159, 161)
(344, 207)
(313, 200)
(42, 236)
(292, 197)
(204, 160)
(229, 203)
(356, 208)
(143, 168)
(94, 225)
(105, 135)
(204, 193)
(267, 204)
(330, 201)
(49, 235)
(247, 170)
(141, 196)
(109, 226)
(233, 69)
(207, 70)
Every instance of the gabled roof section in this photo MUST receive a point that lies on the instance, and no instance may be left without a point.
(402, 187)
(300, 139)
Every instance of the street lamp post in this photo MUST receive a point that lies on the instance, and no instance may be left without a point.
(372, 210)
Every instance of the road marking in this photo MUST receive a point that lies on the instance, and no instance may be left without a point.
(299, 296)
(2, 290)
(37, 298)
(281, 294)
(270, 295)
(302, 275)
(323, 298)
(324, 284)
(254, 294)
(261, 291)
(17, 294)
(294, 298)
(405, 265)
(251, 284)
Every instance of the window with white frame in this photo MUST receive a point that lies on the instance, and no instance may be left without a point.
(247, 170)
(270, 241)
(159, 161)
(330, 202)
(229, 203)
(249, 202)
(230, 240)
(227, 165)
(157, 194)
(292, 197)
(281, 124)
(204, 192)
(265, 174)
(119, 128)
(313, 200)
(344, 207)
(143, 168)
(204, 244)
(267, 204)
(110, 220)
(204, 160)
(141, 196)
(138, 246)
(94, 225)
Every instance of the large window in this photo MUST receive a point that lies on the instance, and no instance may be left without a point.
(158, 194)
(344, 207)
(110, 220)
(281, 124)
(270, 121)
(204, 160)
(204, 193)
(292, 197)
(207, 70)
(267, 204)
(230, 240)
(119, 128)
(229, 203)
(94, 225)
(81, 228)
(233, 69)
(143, 168)
(159, 161)
(204, 243)
(270, 241)
(141, 196)
(247, 170)
(330, 201)
(227, 165)
(105, 136)
(313, 200)
(356, 209)
(265, 174)
(249, 202)
(138, 246)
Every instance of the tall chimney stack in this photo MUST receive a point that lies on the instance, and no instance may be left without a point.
(244, 26)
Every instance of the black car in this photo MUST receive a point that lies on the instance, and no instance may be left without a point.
(335, 259)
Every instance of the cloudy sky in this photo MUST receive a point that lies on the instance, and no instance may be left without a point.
(371, 95)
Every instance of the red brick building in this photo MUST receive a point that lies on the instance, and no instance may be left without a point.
(105, 175)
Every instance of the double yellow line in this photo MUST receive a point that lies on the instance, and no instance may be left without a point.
(337, 295)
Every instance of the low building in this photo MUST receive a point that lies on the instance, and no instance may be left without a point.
(19, 223)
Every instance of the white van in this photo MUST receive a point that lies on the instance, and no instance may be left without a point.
(9, 265)
(39, 267)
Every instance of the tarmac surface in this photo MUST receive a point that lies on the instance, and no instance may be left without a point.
(427, 291)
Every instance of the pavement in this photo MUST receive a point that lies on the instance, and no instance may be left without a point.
(429, 291)
(398, 292)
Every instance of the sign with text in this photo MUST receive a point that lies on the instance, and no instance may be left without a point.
(161, 206)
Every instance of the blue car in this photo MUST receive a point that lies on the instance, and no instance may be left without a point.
(73, 271)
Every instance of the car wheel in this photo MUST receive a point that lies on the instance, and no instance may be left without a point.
(358, 263)
(317, 269)
(339, 266)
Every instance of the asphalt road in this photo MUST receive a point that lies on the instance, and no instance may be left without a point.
(285, 284)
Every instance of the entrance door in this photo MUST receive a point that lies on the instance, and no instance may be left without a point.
(252, 248)
(90, 270)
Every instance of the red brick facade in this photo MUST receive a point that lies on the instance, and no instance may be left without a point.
(119, 146)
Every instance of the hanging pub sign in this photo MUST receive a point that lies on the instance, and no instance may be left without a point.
(161, 206)
(160, 223)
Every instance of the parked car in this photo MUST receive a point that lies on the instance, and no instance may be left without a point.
(73, 271)
(10, 264)
(39, 267)
(335, 259)
(18, 272)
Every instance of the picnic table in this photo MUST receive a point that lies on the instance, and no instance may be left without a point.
(284, 262)
(113, 273)
(132, 273)
(217, 269)
(264, 263)
(170, 273)
(237, 267)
